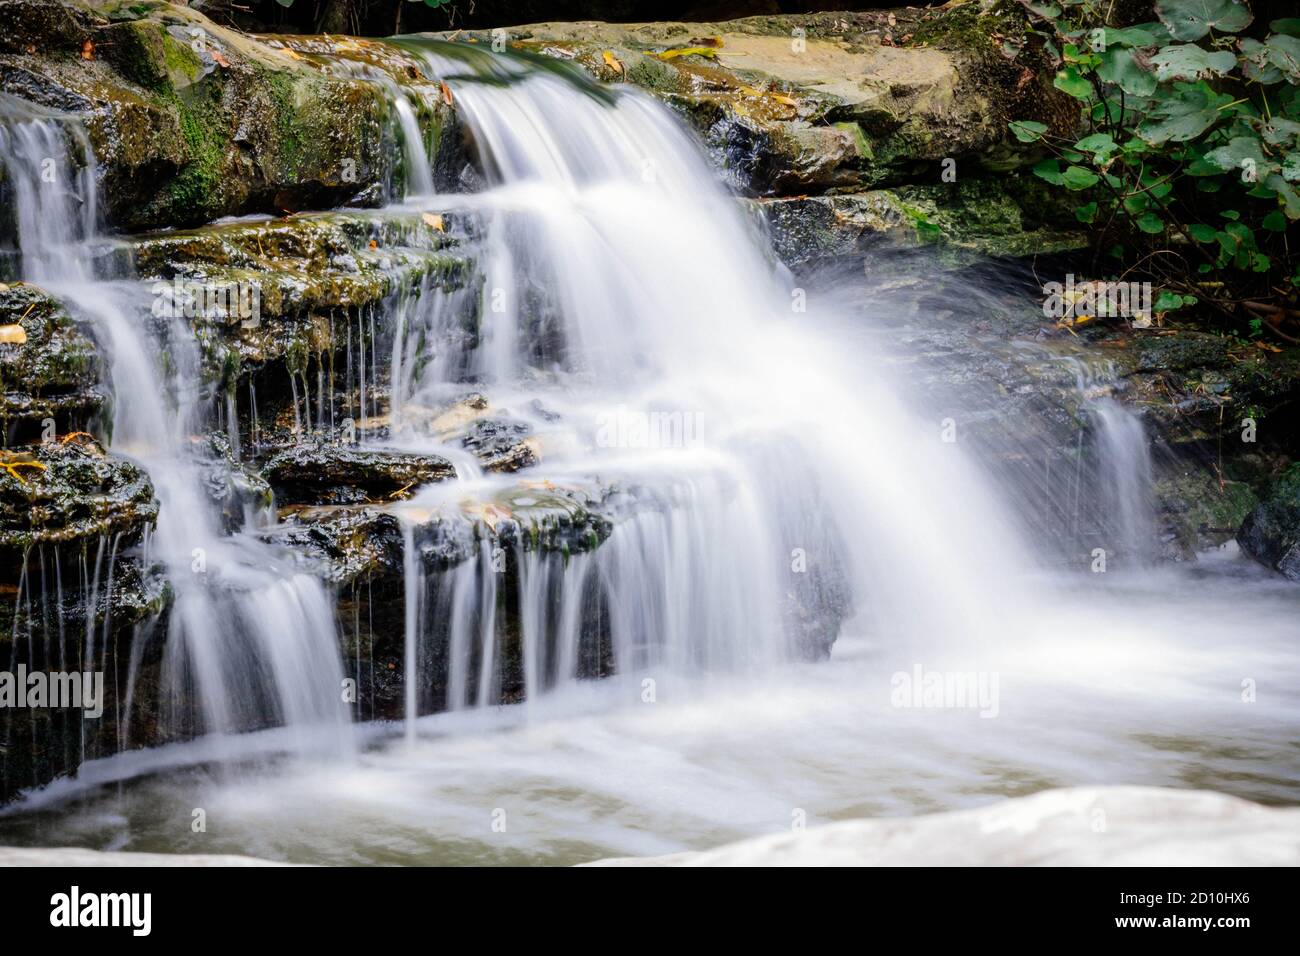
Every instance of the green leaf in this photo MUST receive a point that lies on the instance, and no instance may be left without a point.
(1096, 143)
(1136, 204)
(1193, 19)
(1120, 67)
(1201, 232)
(1078, 178)
(1167, 301)
(1278, 130)
(1184, 116)
(1241, 153)
(1290, 26)
(1146, 35)
(1274, 221)
(1149, 222)
(1255, 63)
(1069, 81)
(1027, 131)
(1086, 213)
(285, 3)
(1291, 167)
(1050, 170)
(1284, 54)
(1190, 62)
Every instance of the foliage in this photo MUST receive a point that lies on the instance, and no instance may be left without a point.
(1190, 153)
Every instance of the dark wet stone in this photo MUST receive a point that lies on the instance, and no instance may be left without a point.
(1271, 533)
(335, 474)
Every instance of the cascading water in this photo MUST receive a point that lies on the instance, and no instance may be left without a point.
(251, 640)
(762, 479)
(623, 290)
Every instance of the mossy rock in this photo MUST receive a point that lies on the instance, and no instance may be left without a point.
(49, 369)
(835, 102)
(191, 121)
(66, 491)
(1271, 533)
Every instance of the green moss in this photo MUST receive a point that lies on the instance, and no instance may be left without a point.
(183, 64)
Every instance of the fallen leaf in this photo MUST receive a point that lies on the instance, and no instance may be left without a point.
(373, 244)
(612, 62)
(12, 334)
(12, 468)
(434, 220)
(221, 60)
(672, 54)
(88, 50)
(446, 92)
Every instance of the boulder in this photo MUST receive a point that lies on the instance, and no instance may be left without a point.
(49, 369)
(190, 120)
(1271, 532)
(67, 491)
(830, 102)
(1145, 826)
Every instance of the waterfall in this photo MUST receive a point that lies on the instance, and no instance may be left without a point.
(1124, 455)
(251, 639)
(622, 289)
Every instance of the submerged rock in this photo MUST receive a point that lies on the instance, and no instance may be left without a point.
(1271, 533)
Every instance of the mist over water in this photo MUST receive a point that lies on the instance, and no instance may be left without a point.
(802, 487)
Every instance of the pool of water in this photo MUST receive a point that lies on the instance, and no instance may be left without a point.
(1185, 677)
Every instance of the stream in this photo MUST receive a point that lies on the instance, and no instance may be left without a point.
(770, 481)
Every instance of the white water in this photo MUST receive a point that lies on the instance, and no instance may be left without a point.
(250, 640)
(622, 283)
(658, 298)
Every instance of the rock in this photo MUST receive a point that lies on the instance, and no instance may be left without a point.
(501, 444)
(335, 474)
(48, 368)
(1197, 510)
(1145, 826)
(1271, 533)
(293, 272)
(346, 543)
(191, 120)
(832, 102)
(62, 492)
(957, 225)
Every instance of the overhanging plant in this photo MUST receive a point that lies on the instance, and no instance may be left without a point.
(1188, 161)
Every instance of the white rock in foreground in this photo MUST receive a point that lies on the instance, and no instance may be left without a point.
(1094, 826)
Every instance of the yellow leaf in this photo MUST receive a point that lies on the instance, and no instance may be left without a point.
(612, 62)
(12, 334)
(709, 52)
(434, 220)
